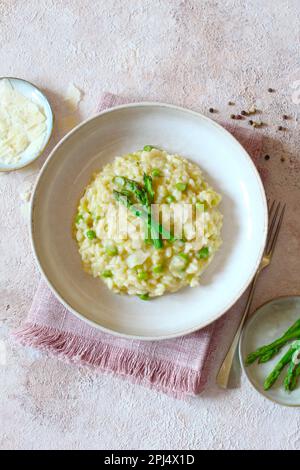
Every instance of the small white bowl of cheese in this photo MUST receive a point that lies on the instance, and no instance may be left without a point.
(26, 123)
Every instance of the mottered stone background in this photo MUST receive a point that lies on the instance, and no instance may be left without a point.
(194, 53)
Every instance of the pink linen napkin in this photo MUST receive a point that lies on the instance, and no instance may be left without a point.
(178, 366)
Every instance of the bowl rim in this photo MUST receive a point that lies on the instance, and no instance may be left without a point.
(17, 167)
(242, 337)
(146, 104)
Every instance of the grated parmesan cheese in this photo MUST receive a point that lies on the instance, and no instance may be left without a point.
(69, 116)
(22, 123)
(73, 96)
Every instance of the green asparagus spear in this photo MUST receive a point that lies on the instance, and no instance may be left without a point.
(131, 189)
(273, 376)
(266, 352)
(295, 378)
(156, 242)
(152, 226)
(124, 199)
(294, 327)
(137, 210)
(266, 357)
(149, 187)
(160, 229)
(291, 378)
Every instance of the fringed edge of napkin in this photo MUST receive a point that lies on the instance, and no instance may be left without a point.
(158, 374)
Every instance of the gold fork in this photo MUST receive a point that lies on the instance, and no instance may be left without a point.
(276, 213)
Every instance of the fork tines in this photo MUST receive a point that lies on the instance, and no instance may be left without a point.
(276, 213)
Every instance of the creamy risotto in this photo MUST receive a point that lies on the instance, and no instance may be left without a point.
(148, 224)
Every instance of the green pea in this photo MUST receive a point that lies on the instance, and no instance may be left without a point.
(91, 234)
(111, 250)
(170, 199)
(148, 148)
(142, 276)
(200, 206)
(203, 253)
(158, 269)
(181, 186)
(107, 273)
(156, 172)
(184, 256)
(79, 217)
(144, 296)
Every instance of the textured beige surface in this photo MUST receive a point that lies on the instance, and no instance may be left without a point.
(193, 53)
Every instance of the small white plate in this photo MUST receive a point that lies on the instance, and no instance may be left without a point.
(120, 130)
(31, 92)
(268, 323)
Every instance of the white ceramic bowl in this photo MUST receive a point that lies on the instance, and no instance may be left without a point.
(97, 141)
(34, 94)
